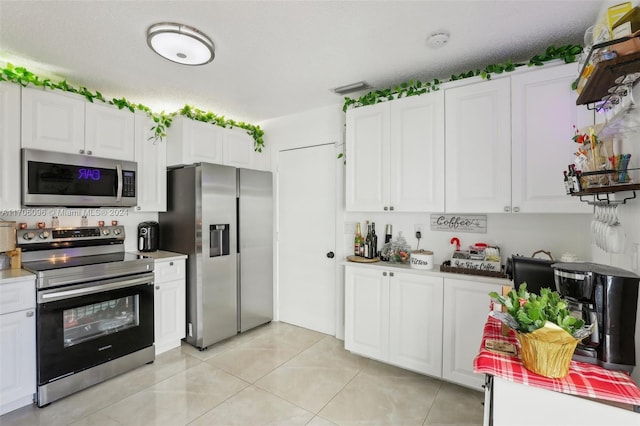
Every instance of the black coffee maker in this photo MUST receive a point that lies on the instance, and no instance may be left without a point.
(606, 297)
(148, 236)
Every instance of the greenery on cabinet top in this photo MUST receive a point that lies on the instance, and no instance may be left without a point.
(162, 121)
(567, 53)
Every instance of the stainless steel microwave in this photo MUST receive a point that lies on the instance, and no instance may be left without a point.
(71, 180)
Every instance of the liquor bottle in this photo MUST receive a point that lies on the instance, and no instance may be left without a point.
(367, 244)
(575, 179)
(374, 241)
(578, 184)
(567, 186)
(357, 243)
(387, 234)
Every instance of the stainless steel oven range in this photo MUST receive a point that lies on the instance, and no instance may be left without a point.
(94, 317)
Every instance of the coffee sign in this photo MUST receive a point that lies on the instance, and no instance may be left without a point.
(459, 223)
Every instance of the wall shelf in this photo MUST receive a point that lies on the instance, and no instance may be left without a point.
(605, 73)
(603, 195)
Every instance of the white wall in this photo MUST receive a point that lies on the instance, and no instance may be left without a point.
(310, 128)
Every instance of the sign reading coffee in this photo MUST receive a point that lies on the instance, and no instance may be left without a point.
(459, 223)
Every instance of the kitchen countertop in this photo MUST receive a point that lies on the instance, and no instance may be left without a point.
(162, 255)
(585, 380)
(11, 275)
(432, 272)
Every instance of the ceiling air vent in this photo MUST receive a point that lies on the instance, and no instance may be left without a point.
(350, 88)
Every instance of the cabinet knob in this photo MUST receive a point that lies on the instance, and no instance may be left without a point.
(330, 255)
(157, 287)
(391, 208)
(170, 263)
(89, 152)
(138, 208)
(390, 274)
(516, 209)
(386, 208)
(507, 209)
(82, 151)
(29, 314)
(384, 274)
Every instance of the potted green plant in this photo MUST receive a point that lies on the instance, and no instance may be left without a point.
(547, 331)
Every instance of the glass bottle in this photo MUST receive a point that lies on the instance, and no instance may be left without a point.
(374, 241)
(357, 243)
(367, 244)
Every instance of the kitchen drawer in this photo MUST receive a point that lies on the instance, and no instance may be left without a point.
(17, 296)
(169, 270)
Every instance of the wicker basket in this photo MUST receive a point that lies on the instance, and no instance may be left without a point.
(547, 351)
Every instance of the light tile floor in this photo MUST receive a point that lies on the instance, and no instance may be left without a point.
(277, 374)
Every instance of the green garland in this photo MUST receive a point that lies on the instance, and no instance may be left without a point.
(411, 88)
(162, 121)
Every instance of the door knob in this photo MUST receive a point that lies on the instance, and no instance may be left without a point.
(330, 255)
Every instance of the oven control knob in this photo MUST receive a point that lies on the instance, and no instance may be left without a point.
(44, 235)
(105, 231)
(29, 236)
(117, 231)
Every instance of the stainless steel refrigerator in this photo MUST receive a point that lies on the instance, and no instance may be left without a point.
(222, 218)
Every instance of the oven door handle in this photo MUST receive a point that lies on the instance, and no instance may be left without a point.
(86, 290)
(119, 190)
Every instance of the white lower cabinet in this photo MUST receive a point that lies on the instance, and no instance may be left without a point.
(421, 322)
(466, 306)
(169, 304)
(394, 317)
(17, 343)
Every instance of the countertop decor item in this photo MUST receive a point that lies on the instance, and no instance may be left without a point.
(545, 329)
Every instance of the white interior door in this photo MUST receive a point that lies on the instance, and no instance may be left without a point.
(306, 234)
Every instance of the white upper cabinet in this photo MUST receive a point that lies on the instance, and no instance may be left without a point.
(237, 148)
(9, 146)
(508, 141)
(109, 132)
(367, 157)
(478, 141)
(544, 112)
(395, 155)
(52, 121)
(151, 156)
(417, 153)
(62, 122)
(190, 141)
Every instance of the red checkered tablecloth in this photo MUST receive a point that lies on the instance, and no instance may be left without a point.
(584, 379)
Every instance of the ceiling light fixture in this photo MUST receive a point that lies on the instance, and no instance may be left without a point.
(180, 43)
(350, 88)
(437, 40)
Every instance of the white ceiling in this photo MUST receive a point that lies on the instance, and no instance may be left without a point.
(275, 58)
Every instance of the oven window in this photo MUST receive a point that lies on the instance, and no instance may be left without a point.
(98, 319)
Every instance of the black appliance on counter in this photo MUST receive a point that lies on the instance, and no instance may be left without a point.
(536, 272)
(148, 236)
(606, 297)
(94, 317)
